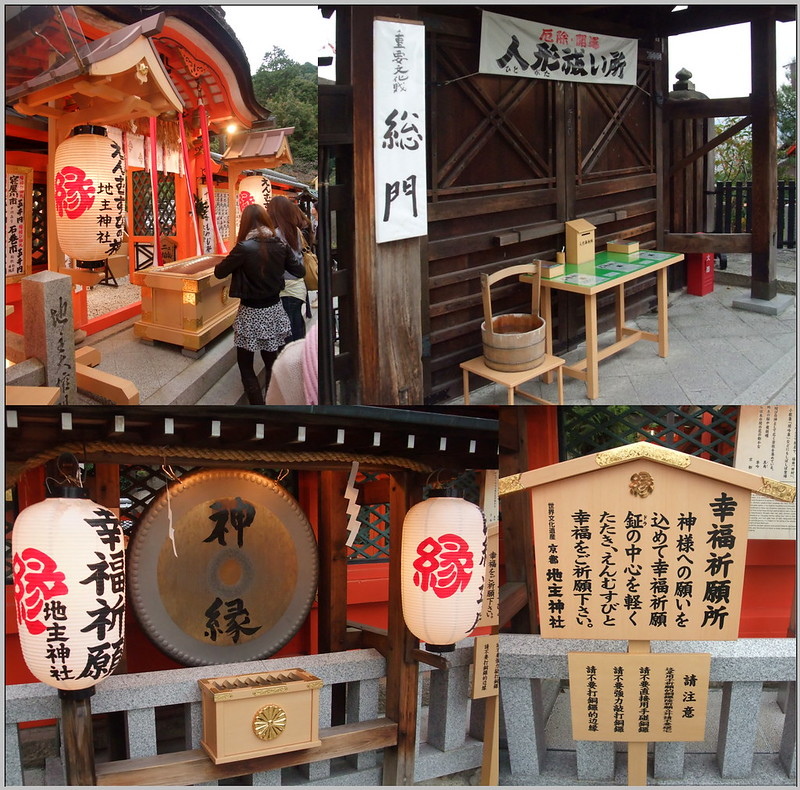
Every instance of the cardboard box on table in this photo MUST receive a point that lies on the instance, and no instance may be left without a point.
(580, 241)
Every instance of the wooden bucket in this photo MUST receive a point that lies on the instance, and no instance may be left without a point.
(516, 341)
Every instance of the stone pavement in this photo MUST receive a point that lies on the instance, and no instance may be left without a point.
(717, 354)
(164, 376)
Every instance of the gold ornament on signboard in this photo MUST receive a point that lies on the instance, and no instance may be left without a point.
(269, 722)
(632, 452)
(642, 484)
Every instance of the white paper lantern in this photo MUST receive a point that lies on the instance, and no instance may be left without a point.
(89, 191)
(254, 189)
(443, 568)
(69, 589)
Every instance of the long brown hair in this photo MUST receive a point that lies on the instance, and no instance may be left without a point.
(253, 216)
(289, 219)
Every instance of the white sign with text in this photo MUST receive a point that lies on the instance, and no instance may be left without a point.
(520, 48)
(399, 130)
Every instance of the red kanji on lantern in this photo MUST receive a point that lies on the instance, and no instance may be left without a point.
(74, 192)
(36, 580)
(245, 199)
(444, 566)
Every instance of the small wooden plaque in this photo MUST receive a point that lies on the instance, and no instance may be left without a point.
(639, 696)
(486, 674)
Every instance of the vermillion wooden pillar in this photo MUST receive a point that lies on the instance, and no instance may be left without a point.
(402, 672)
(387, 277)
(104, 489)
(528, 440)
(333, 561)
(764, 283)
(332, 596)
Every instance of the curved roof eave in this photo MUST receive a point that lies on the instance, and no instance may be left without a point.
(195, 21)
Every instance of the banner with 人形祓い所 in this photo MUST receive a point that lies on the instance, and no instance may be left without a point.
(519, 48)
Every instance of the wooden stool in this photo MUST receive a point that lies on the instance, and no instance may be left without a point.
(512, 380)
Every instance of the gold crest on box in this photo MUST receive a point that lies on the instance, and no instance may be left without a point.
(246, 716)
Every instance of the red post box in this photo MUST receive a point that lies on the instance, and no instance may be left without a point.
(699, 273)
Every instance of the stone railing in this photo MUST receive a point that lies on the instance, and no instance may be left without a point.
(444, 744)
(532, 672)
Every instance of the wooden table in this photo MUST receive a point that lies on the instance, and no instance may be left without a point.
(512, 380)
(609, 271)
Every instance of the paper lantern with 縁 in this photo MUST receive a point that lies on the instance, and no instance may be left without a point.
(89, 191)
(443, 569)
(69, 589)
(254, 189)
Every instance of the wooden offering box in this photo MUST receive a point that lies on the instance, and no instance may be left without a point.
(184, 303)
(247, 716)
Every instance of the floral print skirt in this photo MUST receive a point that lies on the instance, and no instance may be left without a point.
(261, 328)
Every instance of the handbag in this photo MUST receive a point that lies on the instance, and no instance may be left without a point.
(311, 278)
(312, 269)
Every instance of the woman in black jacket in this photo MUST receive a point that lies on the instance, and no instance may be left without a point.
(257, 265)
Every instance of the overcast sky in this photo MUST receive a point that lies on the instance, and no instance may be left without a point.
(718, 59)
(300, 30)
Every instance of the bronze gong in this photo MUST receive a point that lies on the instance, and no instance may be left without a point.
(245, 574)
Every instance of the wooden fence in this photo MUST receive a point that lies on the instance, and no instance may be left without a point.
(449, 726)
(733, 210)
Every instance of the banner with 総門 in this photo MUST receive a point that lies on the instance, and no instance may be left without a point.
(536, 50)
(399, 130)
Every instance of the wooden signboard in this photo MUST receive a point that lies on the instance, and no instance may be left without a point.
(640, 542)
(640, 551)
(486, 677)
(490, 612)
(766, 440)
(639, 696)
(18, 221)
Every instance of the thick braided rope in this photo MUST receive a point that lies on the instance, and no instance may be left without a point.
(212, 454)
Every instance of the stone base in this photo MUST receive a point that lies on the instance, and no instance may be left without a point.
(774, 306)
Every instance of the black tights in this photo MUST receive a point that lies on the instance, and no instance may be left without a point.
(245, 359)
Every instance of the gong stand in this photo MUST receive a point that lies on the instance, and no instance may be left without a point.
(76, 724)
(637, 750)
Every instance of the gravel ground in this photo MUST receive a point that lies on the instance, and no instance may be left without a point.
(102, 299)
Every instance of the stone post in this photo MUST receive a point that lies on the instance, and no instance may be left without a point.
(48, 329)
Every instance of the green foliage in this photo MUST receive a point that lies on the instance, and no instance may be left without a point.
(289, 90)
(787, 107)
(589, 429)
(734, 158)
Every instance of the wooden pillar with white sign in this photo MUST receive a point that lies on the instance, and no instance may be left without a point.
(387, 275)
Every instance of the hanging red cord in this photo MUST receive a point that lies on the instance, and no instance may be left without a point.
(221, 248)
(198, 249)
(157, 257)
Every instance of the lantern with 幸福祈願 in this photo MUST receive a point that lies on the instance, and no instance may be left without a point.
(68, 560)
(89, 191)
(443, 568)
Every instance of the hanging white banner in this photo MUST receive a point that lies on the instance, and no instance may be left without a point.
(401, 210)
(520, 48)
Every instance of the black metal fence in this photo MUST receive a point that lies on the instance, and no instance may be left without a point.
(733, 214)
